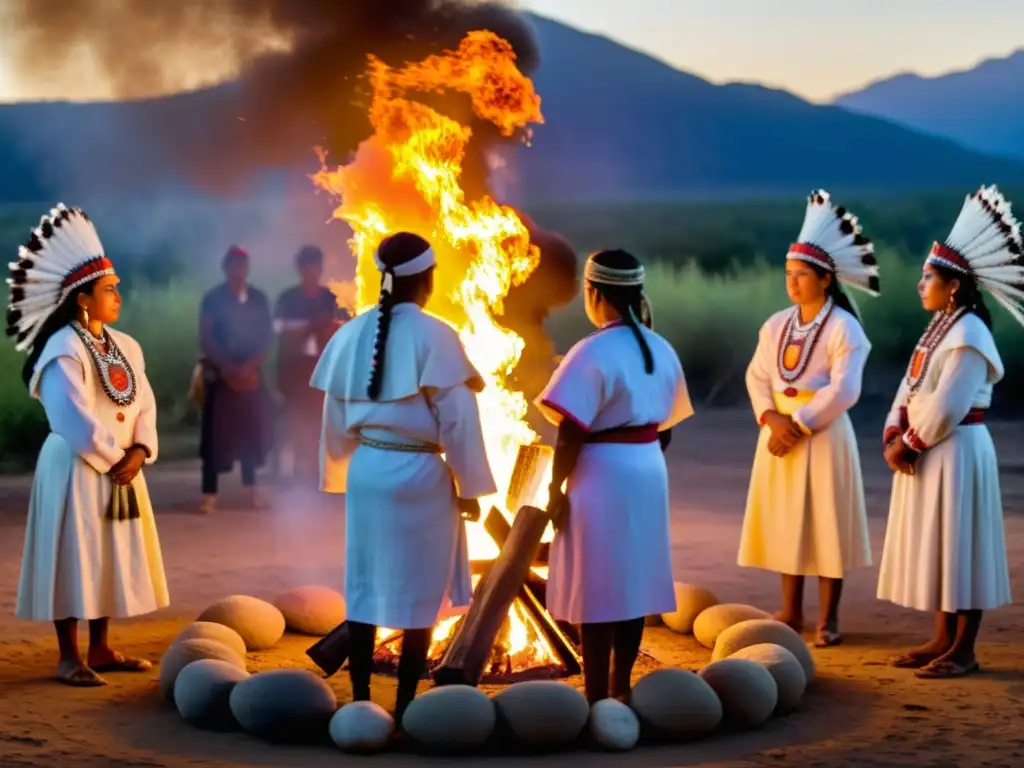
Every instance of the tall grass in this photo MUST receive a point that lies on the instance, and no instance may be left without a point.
(712, 320)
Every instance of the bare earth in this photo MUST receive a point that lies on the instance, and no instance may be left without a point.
(859, 712)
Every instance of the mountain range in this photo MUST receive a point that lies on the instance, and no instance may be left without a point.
(982, 107)
(618, 124)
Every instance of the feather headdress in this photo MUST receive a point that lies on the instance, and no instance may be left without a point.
(831, 238)
(986, 243)
(63, 253)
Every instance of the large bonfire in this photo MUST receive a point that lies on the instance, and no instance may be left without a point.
(407, 177)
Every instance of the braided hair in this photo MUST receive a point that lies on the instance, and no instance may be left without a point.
(627, 300)
(393, 252)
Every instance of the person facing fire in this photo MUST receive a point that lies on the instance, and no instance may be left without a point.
(945, 547)
(235, 335)
(402, 439)
(614, 398)
(805, 513)
(305, 318)
(91, 547)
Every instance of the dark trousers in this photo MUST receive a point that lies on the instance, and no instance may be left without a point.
(210, 475)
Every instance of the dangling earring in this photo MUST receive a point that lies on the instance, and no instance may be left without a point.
(951, 304)
(83, 317)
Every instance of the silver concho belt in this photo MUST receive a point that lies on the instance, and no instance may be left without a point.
(400, 447)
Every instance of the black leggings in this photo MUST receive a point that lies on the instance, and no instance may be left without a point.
(609, 652)
(411, 664)
(210, 478)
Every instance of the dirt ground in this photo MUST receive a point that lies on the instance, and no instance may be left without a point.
(859, 712)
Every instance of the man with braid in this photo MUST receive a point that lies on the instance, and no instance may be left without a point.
(400, 392)
(614, 397)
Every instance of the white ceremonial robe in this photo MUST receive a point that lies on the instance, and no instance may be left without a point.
(406, 553)
(612, 561)
(77, 563)
(805, 512)
(945, 545)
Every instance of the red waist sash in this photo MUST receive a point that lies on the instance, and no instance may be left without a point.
(974, 416)
(647, 433)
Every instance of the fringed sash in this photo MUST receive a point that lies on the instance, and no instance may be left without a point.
(124, 505)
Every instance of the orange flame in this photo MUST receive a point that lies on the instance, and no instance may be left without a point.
(407, 177)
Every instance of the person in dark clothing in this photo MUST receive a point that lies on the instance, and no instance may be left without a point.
(305, 318)
(235, 332)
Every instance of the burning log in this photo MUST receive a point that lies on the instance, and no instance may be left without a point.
(533, 597)
(464, 659)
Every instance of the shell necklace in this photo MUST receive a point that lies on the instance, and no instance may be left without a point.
(116, 373)
(798, 341)
(940, 325)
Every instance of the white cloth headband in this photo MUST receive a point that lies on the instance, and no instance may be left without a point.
(421, 263)
(596, 273)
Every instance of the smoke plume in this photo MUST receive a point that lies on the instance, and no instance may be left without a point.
(291, 71)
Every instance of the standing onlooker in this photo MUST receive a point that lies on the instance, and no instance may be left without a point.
(235, 331)
(305, 318)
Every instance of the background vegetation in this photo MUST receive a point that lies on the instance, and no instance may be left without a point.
(714, 278)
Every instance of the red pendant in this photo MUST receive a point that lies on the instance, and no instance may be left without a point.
(120, 416)
(915, 365)
(118, 377)
(790, 392)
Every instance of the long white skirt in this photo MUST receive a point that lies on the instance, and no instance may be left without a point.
(613, 560)
(805, 511)
(76, 562)
(406, 555)
(945, 545)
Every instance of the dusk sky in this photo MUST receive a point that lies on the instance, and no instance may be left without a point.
(814, 49)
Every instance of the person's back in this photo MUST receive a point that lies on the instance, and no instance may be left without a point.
(402, 439)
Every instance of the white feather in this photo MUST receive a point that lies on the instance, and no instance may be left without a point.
(823, 227)
(70, 245)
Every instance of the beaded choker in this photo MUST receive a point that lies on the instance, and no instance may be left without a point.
(116, 373)
(797, 343)
(940, 325)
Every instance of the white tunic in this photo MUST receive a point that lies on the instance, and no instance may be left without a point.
(78, 563)
(406, 557)
(613, 560)
(805, 513)
(945, 546)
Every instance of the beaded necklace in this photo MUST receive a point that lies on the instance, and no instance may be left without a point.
(797, 342)
(940, 325)
(116, 373)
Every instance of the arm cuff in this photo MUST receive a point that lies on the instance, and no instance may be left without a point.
(913, 442)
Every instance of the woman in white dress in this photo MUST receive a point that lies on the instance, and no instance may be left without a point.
(614, 398)
(402, 439)
(91, 546)
(945, 548)
(805, 513)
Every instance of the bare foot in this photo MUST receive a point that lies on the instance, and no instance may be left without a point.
(109, 660)
(77, 674)
(916, 658)
(948, 666)
(209, 504)
(827, 638)
(796, 623)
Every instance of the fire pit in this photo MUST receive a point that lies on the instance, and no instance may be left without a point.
(507, 635)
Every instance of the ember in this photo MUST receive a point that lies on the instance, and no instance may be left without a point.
(407, 176)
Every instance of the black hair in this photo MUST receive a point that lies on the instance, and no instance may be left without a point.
(65, 312)
(234, 253)
(627, 300)
(393, 252)
(309, 255)
(835, 291)
(968, 295)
